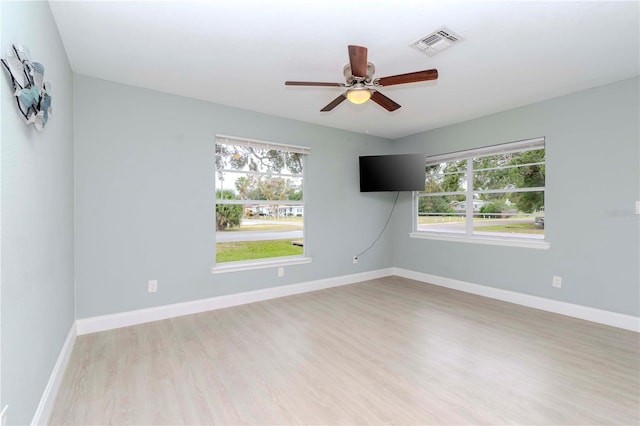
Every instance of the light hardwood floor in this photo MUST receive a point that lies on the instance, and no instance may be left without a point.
(384, 351)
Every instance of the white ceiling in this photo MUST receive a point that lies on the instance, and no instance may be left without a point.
(240, 52)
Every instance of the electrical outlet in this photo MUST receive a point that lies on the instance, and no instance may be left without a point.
(355, 260)
(3, 415)
(637, 207)
(281, 271)
(557, 281)
(152, 286)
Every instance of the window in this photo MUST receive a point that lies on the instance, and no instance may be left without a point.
(493, 193)
(259, 200)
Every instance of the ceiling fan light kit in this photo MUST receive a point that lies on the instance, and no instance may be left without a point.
(360, 84)
(358, 95)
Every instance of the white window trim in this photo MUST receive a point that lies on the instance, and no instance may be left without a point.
(264, 202)
(482, 239)
(505, 148)
(247, 265)
(252, 173)
(271, 262)
(469, 236)
(255, 143)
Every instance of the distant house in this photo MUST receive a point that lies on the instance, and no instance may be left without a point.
(461, 206)
(260, 210)
(291, 211)
(269, 210)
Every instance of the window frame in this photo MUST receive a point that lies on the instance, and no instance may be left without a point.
(271, 262)
(468, 236)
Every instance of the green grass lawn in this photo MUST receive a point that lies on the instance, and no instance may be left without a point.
(439, 219)
(520, 228)
(446, 219)
(261, 224)
(247, 250)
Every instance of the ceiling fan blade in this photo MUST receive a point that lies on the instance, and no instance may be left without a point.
(412, 77)
(334, 103)
(358, 60)
(312, 83)
(384, 102)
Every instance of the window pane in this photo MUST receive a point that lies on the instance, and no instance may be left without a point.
(248, 186)
(506, 192)
(264, 215)
(510, 215)
(245, 158)
(438, 213)
(509, 171)
(446, 177)
(264, 231)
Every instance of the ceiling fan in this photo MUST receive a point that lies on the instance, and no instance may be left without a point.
(360, 84)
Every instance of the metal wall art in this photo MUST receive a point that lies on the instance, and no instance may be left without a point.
(33, 94)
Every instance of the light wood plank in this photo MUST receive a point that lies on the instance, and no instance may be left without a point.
(384, 351)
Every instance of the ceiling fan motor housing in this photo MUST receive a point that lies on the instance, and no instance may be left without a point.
(351, 79)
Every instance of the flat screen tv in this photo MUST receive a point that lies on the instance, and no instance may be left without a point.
(403, 172)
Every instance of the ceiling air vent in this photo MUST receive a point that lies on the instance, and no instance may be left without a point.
(437, 41)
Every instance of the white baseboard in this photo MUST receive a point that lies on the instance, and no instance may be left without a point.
(43, 411)
(613, 319)
(124, 319)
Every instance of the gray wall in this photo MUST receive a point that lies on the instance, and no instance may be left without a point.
(37, 217)
(144, 164)
(144, 209)
(592, 147)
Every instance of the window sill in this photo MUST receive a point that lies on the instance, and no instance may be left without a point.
(479, 239)
(247, 265)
